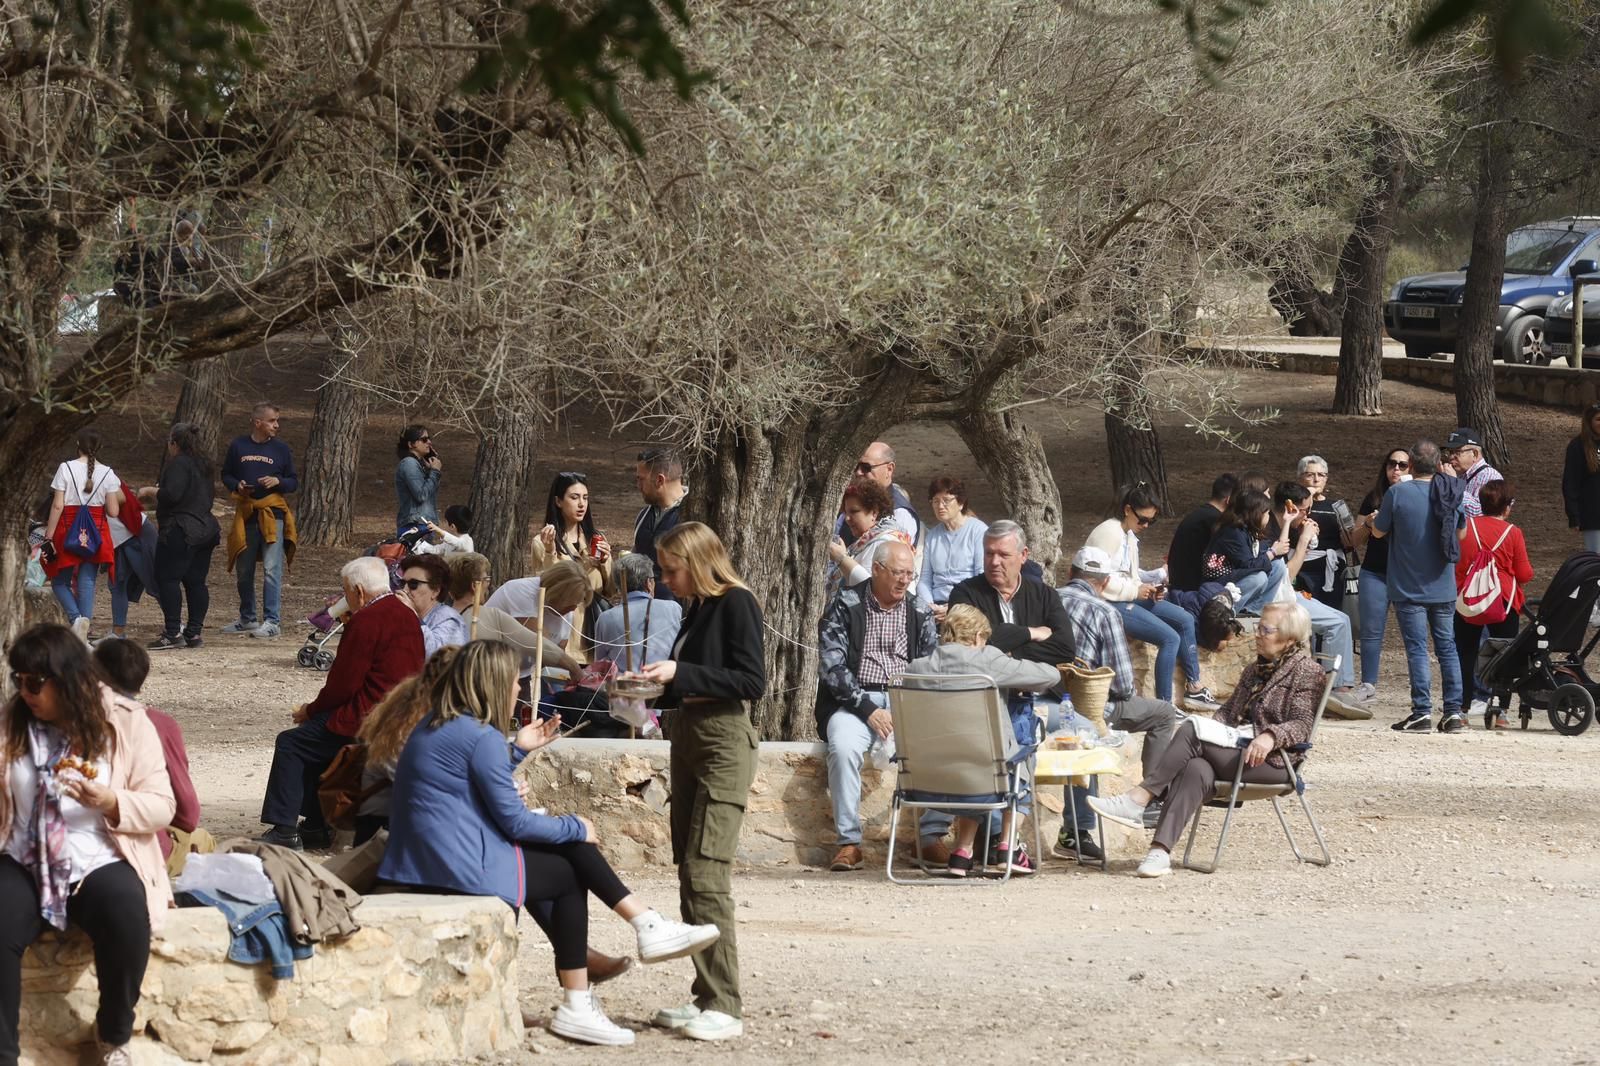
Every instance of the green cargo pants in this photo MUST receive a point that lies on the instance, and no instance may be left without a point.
(713, 762)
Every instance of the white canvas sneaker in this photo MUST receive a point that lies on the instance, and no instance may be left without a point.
(714, 1025)
(584, 1021)
(675, 1017)
(665, 939)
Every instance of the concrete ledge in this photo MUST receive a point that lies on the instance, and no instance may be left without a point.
(1548, 386)
(426, 978)
(623, 787)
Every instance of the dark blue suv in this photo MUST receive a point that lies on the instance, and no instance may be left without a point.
(1541, 260)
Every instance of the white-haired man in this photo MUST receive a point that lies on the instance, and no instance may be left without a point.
(381, 646)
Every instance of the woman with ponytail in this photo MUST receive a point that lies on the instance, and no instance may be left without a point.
(84, 491)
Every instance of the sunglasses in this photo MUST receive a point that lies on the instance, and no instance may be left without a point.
(414, 583)
(576, 475)
(867, 468)
(1398, 464)
(1145, 521)
(32, 684)
(424, 439)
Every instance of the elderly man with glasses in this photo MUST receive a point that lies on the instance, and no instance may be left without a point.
(1464, 451)
(869, 633)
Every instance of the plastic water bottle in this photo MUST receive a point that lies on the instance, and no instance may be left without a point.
(881, 754)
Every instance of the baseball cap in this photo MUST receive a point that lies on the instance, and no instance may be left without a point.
(1464, 437)
(1090, 560)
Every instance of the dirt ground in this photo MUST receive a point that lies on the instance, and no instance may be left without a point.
(1453, 925)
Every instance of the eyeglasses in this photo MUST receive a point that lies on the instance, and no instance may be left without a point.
(415, 583)
(32, 684)
(1145, 520)
(1398, 464)
(1269, 631)
(865, 467)
(903, 575)
(944, 501)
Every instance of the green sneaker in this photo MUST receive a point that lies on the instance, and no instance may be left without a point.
(675, 1017)
(713, 1025)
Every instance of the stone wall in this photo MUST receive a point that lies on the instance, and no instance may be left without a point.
(426, 978)
(622, 786)
(1549, 386)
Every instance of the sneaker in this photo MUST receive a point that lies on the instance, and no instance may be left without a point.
(109, 1055)
(1501, 721)
(1021, 863)
(268, 630)
(1421, 722)
(165, 643)
(1452, 723)
(1156, 864)
(1345, 705)
(846, 858)
(713, 1025)
(81, 628)
(1066, 847)
(1200, 699)
(582, 1020)
(1365, 692)
(675, 1017)
(1478, 707)
(192, 642)
(283, 837)
(1152, 815)
(667, 938)
(960, 865)
(238, 627)
(1120, 809)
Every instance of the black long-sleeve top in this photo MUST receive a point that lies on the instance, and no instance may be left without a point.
(1033, 604)
(720, 652)
(1580, 490)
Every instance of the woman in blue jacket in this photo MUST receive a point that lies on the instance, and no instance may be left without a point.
(457, 824)
(416, 478)
(1241, 554)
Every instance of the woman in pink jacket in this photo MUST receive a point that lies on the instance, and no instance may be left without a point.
(86, 793)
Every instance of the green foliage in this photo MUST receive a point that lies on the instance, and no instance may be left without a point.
(1521, 28)
(581, 59)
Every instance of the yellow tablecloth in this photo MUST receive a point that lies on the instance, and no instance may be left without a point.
(1059, 767)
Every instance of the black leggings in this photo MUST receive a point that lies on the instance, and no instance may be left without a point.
(110, 906)
(559, 878)
(181, 573)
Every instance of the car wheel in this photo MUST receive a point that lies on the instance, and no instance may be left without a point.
(1419, 351)
(1524, 341)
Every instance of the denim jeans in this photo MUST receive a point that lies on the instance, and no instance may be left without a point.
(1170, 629)
(77, 602)
(1257, 588)
(119, 589)
(849, 739)
(1374, 618)
(1416, 621)
(1333, 628)
(272, 559)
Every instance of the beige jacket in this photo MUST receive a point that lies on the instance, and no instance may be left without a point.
(145, 804)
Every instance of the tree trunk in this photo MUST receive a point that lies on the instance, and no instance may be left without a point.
(1361, 267)
(203, 402)
(1476, 404)
(1305, 309)
(1012, 458)
(503, 495)
(1132, 444)
(333, 456)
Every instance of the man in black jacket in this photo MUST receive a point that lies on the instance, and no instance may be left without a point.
(869, 633)
(1186, 554)
(1028, 619)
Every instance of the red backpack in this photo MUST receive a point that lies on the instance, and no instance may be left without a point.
(1483, 596)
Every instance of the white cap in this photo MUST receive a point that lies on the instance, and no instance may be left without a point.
(1095, 561)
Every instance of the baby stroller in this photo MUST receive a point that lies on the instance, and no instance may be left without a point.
(1544, 663)
(324, 628)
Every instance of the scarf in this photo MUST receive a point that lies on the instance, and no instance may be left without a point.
(1265, 670)
(46, 853)
(883, 528)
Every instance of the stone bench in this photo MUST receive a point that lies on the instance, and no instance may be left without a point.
(427, 977)
(1219, 671)
(622, 786)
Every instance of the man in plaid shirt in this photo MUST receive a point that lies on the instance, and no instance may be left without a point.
(1100, 640)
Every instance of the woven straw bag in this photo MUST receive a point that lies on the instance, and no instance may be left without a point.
(1089, 687)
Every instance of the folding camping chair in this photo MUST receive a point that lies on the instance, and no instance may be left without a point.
(955, 740)
(1229, 795)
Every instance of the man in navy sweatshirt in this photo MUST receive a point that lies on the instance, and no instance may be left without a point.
(260, 467)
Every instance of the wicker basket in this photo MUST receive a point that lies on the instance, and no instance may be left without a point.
(1089, 687)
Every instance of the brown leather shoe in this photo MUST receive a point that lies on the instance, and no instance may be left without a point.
(847, 858)
(603, 968)
(935, 856)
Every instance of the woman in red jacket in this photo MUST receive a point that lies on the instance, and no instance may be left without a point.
(1495, 533)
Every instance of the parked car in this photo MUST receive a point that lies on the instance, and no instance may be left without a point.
(1558, 327)
(1424, 312)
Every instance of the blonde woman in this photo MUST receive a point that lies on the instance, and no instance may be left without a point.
(717, 664)
(458, 825)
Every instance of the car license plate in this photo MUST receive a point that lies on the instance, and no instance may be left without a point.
(1419, 312)
(1558, 350)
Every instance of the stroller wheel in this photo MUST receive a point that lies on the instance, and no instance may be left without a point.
(1571, 710)
(324, 661)
(306, 656)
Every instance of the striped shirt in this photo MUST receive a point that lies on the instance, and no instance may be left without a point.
(884, 645)
(1473, 482)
